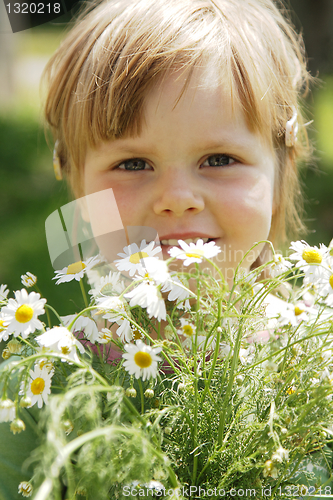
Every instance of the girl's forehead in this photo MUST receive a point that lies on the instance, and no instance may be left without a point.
(193, 97)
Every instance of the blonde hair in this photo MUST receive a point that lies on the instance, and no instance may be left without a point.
(99, 77)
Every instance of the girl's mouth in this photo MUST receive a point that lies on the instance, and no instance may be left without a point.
(174, 242)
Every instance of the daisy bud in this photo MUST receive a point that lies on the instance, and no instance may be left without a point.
(219, 329)
(284, 430)
(6, 354)
(239, 379)
(14, 346)
(130, 392)
(25, 488)
(168, 332)
(17, 426)
(81, 491)
(280, 455)
(168, 430)
(181, 387)
(270, 470)
(68, 427)
(25, 402)
(149, 393)
(7, 410)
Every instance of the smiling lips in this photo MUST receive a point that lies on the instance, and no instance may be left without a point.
(173, 241)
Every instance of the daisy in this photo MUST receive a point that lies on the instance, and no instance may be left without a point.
(279, 265)
(194, 252)
(187, 330)
(105, 336)
(20, 314)
(60, 340)
(148, 296)
(141, 360)
(325, 287)
(76, 270)
(108, 285)
(116, 311)
(131, 259)
(294, 314)
(7, 410)
(28, 280)
(39, 386)
(177, 286)
(309, 259)
(3, 292)
(82, 324)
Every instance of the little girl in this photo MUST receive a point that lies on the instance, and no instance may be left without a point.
(188, 110)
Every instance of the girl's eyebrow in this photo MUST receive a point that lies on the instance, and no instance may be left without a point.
(243, 143)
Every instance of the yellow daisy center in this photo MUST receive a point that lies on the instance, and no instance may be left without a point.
(136, 257)
(197, 254)
(312, 256)
(37, 386)
(76, 267)
(188, 330)
(298, 311)
(143, 359)
(65, 349)
(137, 334)
(24, 313)
(290, 391)
(1, 325)
(330, 282)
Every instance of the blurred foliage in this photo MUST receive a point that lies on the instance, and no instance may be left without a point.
(29, 193)
(318, 178)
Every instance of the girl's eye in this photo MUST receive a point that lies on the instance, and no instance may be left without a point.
(218, 161)
(133, 164)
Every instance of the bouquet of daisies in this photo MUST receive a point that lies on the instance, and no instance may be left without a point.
(175, 384)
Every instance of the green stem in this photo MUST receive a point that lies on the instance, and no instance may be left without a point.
(84, 295)
(142, 397)
(229, 387)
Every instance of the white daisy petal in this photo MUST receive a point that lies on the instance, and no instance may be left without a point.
(3, 292)
(108, 285)
(148, 296)
(82, 324)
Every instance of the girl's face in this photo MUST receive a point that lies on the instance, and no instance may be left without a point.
(196, 170)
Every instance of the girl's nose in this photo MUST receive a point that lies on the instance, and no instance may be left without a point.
(178, 193)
